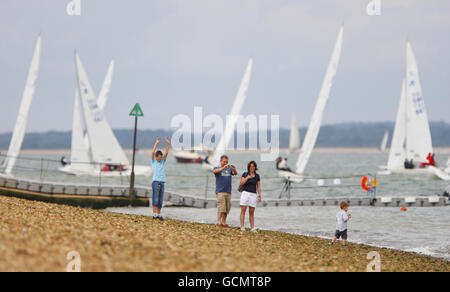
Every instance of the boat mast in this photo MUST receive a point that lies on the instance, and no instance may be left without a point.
(406, 103)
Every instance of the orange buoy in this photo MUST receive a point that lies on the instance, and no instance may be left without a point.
(365, 183)
(404, 209)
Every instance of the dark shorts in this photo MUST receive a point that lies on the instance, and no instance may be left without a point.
(340, 234)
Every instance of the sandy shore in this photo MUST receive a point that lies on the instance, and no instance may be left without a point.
(38, 236)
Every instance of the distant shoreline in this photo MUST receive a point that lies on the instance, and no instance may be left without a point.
(438, 150)
(342, 135)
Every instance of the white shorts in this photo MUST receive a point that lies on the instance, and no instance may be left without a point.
(248, 199)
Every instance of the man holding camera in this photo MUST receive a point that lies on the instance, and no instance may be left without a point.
(223, 174)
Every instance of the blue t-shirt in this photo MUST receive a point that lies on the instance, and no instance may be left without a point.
(223, 180)
(251, 185)
(158, 170)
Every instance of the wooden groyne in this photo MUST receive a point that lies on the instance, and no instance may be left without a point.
(100, 197)
(416, 201)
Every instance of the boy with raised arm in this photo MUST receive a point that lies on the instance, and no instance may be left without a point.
(159, 178)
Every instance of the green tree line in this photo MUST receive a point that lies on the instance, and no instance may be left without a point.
(339, 135)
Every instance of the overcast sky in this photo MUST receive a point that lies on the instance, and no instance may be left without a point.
(172, 55)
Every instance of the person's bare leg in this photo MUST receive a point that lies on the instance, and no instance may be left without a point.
(334, 239)
(224, 219)
(155, 210)
(243, 210)
(344, 242)
(219, 218)
(252, 217)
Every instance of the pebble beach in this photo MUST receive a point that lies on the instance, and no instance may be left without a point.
(38, 236)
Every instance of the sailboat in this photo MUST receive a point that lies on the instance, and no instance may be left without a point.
(194, 155)
(80, 160)
(317, 117)
(22, 118)
(384, 141)
(294, 137)
(104, 156)
(225, 139)
(412, 137)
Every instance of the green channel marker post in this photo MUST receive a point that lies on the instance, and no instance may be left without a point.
(135, 112)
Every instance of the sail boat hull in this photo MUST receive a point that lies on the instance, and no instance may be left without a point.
(139, 170)
(437, 173)
(291, 176)
(415, 171)
(188, 157)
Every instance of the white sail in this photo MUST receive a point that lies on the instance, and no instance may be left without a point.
(418, 143)
(22, 118)
(317, 117)
(294, 138)
(397, 152)
(233, 116)
(104, 145)
(103, 95)
(384, 141)
(80, 158)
